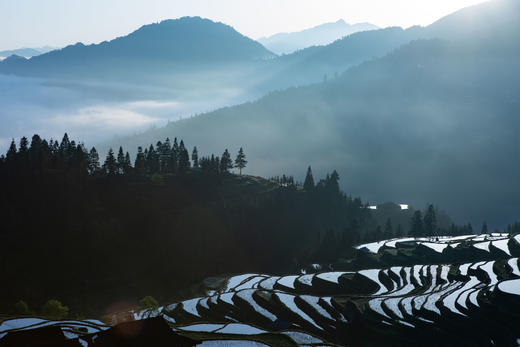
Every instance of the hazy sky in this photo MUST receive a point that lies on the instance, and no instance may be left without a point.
(33, 23)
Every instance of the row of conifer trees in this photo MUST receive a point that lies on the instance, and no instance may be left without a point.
(165, 157)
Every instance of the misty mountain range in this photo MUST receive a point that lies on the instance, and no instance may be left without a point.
(426, 114)
(286, 43)
(181, 54)
(167, 49)
(26, 52)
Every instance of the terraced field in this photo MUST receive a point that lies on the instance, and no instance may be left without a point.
(73, 330)
(473, 303)
(500, 242)
(470, 303)
(398, 304)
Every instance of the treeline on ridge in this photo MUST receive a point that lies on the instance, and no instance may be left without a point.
(165, 158)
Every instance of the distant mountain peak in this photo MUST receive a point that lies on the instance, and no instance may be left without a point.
(323, 34)
(23, 52)
(183, 41)
(14, 58)
(173, 38)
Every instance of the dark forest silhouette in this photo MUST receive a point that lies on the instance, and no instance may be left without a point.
(116, 230)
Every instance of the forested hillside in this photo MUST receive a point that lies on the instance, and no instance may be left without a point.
(120, 231)
(433, 119)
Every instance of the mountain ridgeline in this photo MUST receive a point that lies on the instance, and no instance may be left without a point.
(286, 43)
(24, 52)
(182, 53)
(27, 52)
(170, 45)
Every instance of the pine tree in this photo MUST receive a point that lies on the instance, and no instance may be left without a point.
(110, 164)
(152, 160)
(175, 155)
(430, 221)
(24, 145)
(79, 159)
(226, 163)
(93, 161)
(333, 182)
(173, 158)
(36, 143)
(205, 164)
(128, 164)
(240, 161)
(158, 149)
(184, 158)
(54, 147)
(417, 228)
(35, 151)
(140, 161)
(11, 152)
(45, 153)
(23, 155)
(195, 157)
(164, 150)
(72, 148)
(120, 161)
(65, 145)
(308, 184)
(212, 164)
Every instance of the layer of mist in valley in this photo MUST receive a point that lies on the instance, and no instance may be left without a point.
(96, 112)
